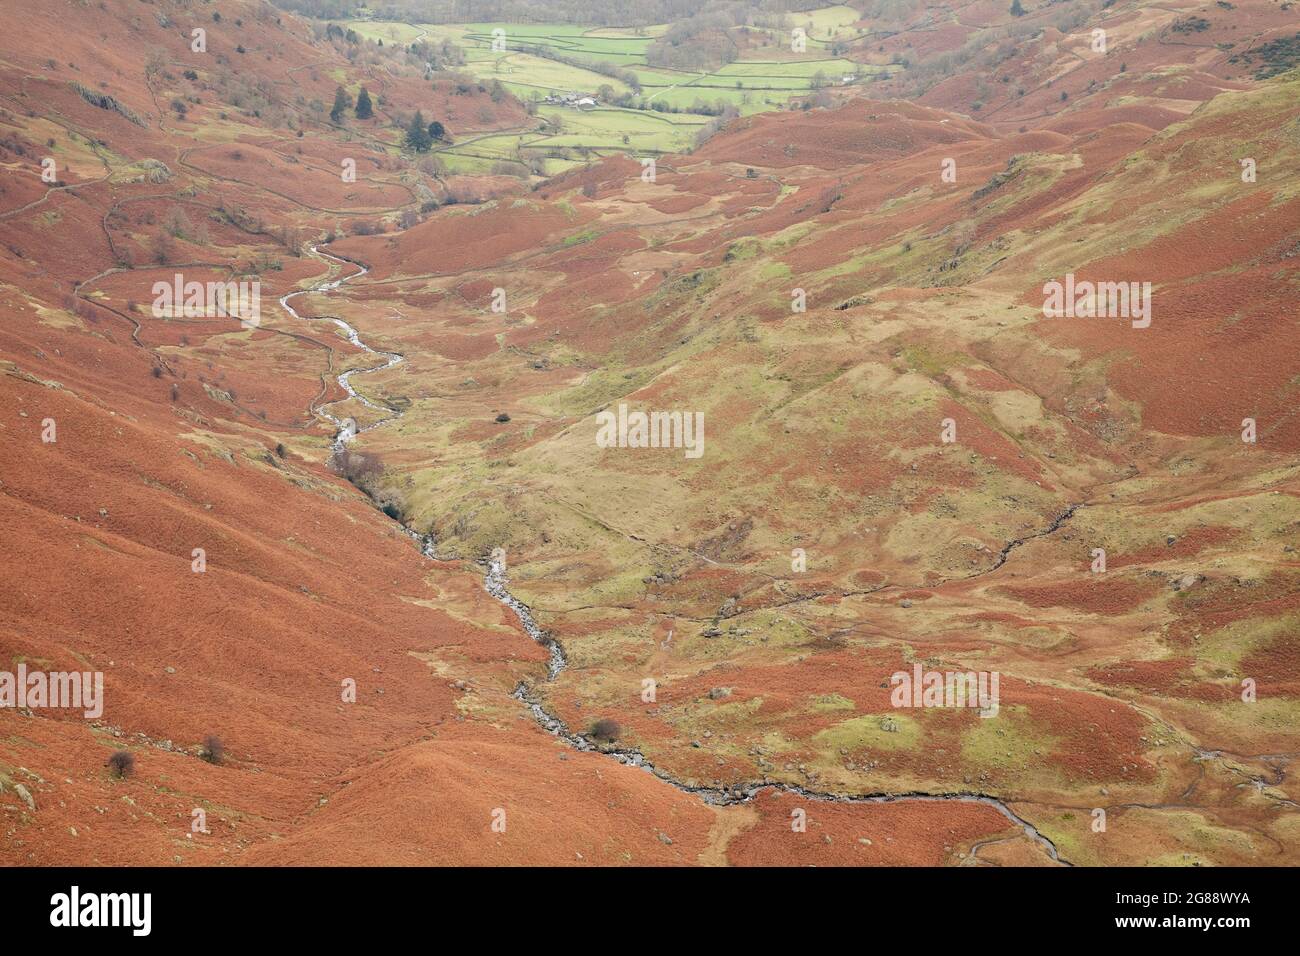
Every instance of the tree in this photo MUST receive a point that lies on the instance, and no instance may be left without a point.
(364, 110)
(437, 131)
(176, 224)
(121, 763)
(358, 467)
(341, 102)
(417, 135)
(1016, 9)
(164, 249)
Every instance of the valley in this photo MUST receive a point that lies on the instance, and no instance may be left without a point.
(438, 619)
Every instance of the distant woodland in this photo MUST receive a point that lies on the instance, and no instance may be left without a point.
(594, 12)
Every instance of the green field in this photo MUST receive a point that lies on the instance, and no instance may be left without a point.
(829, 23)
(767, 77)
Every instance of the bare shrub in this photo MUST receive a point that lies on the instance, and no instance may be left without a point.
(606, 729)
(505, 167)
(121, 763)
(179, 226)
(357, 467)
(164, 249)
(291, 239)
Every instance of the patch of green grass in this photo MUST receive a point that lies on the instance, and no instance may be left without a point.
(579, 238)
(930, 363)
(869, 732)
(1009, 738)
(774, 270)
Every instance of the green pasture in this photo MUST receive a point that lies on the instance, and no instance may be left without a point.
(768, 79)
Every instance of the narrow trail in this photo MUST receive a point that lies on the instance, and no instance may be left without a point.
(495, 583)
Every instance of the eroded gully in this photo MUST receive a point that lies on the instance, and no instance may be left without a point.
(495, 583)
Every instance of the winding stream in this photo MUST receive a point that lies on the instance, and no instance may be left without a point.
(495, 583)
(347, 428)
